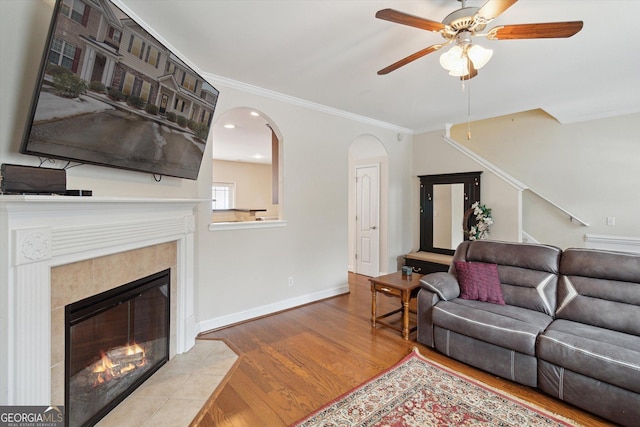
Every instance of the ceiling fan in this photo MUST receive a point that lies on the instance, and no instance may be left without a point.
(458, 28)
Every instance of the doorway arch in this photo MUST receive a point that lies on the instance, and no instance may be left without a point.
(366, 154)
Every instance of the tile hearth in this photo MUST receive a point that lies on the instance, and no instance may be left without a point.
(176, 393)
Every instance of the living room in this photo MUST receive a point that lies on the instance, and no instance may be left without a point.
(587, 167)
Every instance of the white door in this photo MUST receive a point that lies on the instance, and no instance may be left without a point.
(367, 220)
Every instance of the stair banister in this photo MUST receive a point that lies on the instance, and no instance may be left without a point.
(508, 178)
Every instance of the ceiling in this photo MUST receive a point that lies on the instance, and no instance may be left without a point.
(327, 53)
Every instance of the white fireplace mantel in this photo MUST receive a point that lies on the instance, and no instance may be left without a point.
(41, 232)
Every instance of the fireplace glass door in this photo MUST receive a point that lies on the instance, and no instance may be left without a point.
(114, 342)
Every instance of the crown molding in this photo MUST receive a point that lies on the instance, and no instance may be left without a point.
(256, 90)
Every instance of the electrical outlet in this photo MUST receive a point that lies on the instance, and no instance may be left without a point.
(290, 281)
(611, 220)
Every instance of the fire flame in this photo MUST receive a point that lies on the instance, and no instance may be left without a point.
(134, 349)
(106, 368)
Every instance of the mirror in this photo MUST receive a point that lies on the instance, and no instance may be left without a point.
(448, 212)
(444, 199)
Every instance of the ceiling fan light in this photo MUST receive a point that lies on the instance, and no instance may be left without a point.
(458, 72)
(479, 56)
(461, 68)
(450, 59)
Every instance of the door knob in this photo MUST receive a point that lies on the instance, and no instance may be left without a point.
(373, 227)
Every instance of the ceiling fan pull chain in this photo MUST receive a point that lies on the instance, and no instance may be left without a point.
(468, 109)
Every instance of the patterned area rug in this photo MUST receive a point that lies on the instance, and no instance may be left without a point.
(420, 392)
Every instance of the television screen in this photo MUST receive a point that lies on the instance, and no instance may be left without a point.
(110, 94)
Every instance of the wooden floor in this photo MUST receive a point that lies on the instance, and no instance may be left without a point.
(293, 362)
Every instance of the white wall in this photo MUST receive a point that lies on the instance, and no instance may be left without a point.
(239, 273)
(589, 168)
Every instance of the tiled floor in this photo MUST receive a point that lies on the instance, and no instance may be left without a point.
(174, 395)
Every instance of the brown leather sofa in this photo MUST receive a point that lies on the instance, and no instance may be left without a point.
(570, 324)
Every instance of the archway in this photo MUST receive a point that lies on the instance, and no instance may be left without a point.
(246, 181)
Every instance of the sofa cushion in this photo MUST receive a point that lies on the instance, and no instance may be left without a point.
(609, 356)
(479, 281)
(507, 326)
(523, 255)
(600, 288)
(600, 264)
(528, 272)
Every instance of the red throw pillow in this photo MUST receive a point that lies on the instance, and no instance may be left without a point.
(468, 286)
(479, 281)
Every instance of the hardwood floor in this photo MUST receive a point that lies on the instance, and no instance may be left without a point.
(293, 362)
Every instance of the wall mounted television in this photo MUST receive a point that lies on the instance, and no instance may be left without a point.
(110, 94)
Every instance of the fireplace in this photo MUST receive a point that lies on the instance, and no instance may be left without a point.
(115, 340)
(55, 251)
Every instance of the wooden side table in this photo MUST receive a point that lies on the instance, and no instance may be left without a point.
(395, 285)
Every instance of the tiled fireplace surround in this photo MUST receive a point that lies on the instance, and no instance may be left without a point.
(58, 250)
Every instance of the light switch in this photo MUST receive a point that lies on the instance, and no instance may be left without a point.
(611, 220)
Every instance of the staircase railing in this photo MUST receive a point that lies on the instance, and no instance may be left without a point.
(508, 178)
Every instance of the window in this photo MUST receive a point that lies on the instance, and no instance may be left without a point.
(62, 53)
(153, 56)
(73, 9)
(115, 35)
(223, 195)
(136, 46)
(179, 105)
(145, 91)
(206, 114)
(189, 82)
(129, 80)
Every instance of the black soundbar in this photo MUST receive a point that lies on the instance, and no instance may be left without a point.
(19, 179)
(79, 193)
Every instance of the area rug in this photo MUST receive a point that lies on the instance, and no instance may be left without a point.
(420, 392)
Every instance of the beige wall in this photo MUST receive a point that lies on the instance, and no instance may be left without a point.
(431, 155)
(590, 169)
(252, 183)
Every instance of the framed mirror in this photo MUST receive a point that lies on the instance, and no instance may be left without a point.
(444, 199)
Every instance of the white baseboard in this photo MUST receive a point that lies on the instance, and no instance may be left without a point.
(219, 322)
(614, 243)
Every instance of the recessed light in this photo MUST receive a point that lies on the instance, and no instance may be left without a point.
(230, 126)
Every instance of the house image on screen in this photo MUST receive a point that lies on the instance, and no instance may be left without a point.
(99, 43)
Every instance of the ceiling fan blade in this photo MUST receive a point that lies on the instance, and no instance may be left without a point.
(406, 19)
(409, 59)
(536, 31)
(493, 8)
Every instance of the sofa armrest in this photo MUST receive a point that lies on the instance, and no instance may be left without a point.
(426, 301)
(445, 285)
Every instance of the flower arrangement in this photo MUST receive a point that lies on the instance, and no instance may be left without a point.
(480, 230)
